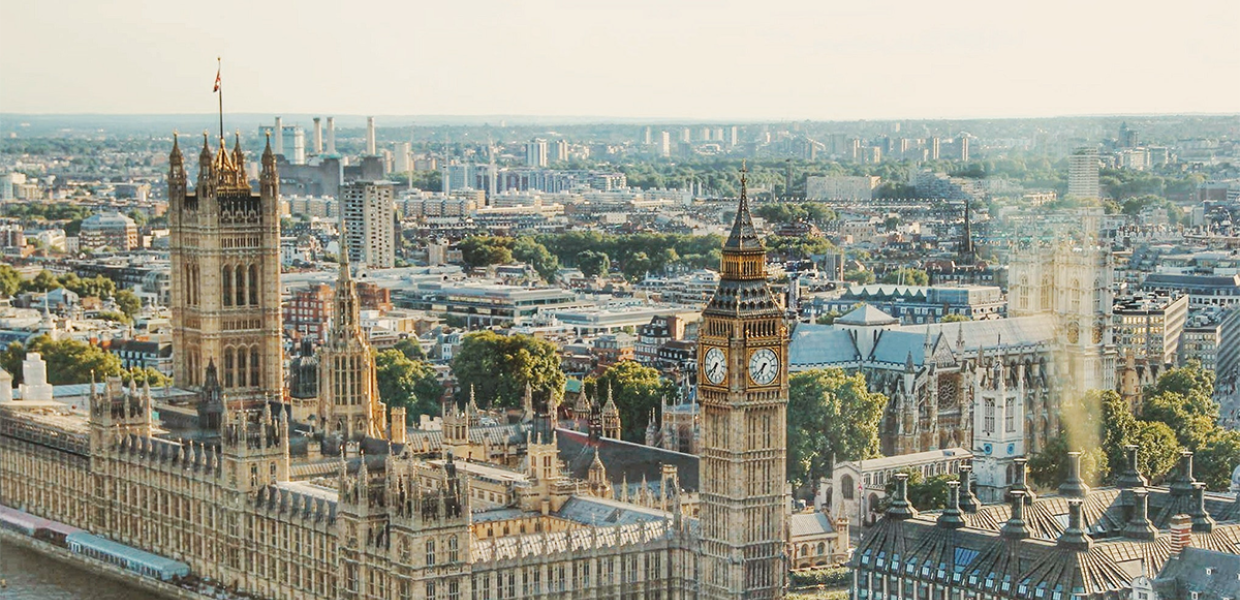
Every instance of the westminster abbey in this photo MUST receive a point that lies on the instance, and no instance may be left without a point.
(332, 497)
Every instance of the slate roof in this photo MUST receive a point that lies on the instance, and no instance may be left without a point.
(1199, 574)
(867, 315)
(807, 524)
(814, 345)
(624, 460)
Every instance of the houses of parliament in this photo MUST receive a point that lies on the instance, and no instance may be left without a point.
(333, 497)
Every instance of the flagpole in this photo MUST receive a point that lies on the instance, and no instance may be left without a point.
(220, 91)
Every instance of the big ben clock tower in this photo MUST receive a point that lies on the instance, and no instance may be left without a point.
(743, 390)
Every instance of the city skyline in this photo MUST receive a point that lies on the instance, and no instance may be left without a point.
(732, 62)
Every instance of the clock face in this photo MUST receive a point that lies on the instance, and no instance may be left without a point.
(763, 366)
(715, 367)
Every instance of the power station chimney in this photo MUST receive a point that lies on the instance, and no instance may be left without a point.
(331, 135)
(370, 136)
(279, 135)
(318, 136)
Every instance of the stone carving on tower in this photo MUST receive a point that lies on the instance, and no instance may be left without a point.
(743, 374)
(225, 261)
(349, 403)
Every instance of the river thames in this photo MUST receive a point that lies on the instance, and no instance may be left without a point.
(33, 576)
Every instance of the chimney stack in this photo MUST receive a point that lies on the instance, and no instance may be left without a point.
(900, 509)
(1181, 533)
(1139, 526)
(1131, 478)
(1074, 486)
(370, 136)
(951, 518)
(1073, 536)
(331, 135)
(397, 424)
(1202, 522)
(318, 136)
(278, 134)
(1015, 528)
(968, 501)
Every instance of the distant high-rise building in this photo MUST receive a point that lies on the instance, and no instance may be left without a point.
(840, 188)
(964, 147)
(536, 153)
(665, 143)
(647, 136)
(1083, 174)
(705, 134)
(1127, 137)
(734, 136)
(686, 135)
(369, 212)
(934, 148)
(559, 151)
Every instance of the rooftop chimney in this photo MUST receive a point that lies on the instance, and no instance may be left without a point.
(318, 136)
(951, 517)
(968, 502)
(1139, 526)
(1020, 485)
(1181, 533)
(1074, 537)
(1015, 528)
(1131, 478)
(900, 509)
(331, 135)
(1182, 484)
(1074, 486)
(1202, 522)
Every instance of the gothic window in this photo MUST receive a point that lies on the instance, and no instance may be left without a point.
(226, 278)
(1023, 295)
(988, 423)
(228, 367)
(430, 590)
(254, 285)
(1046, 291)
(241, 367)
(430, 553)
(847, 485)
(240, 287)
(1076, 295)
(254, 370)
(1009, 421)
(453, 551)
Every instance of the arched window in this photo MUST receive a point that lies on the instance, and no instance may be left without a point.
(226, 280)
(988, 422)
(453, 550)
(430, 553)
(804, 549)
(228, 367)
(847, 485)
(1009, 421)
(254, 285)
(240, 288)
(1047, 288)
(242, 370)
(822, 548)
(254, 370)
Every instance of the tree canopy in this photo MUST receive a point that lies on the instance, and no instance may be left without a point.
(499, 367)
(408, 383)
(830, 415)
(636, 390)
(906, 276)
(68, 361)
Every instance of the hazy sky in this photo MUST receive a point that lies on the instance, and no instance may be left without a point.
(720, 59)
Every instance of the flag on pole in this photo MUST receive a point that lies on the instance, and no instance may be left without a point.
(217, 80)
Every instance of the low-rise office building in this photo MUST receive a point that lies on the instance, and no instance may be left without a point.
(1149, 326)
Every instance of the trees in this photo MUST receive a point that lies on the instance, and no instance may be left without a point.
(830, 415)
(593, 264)
(793, 213)
(906, 276)
(499, 367)
(529, 251)
(485, 250)
(97, 286)
(128, 303)
(408, 383)
(68, 361)
(954, 318)
(411, 349)
(43, 282)
(828, 318)
(860, 276)
(636, 390)
(10, 280)
(922, 493)
(1049, 468)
